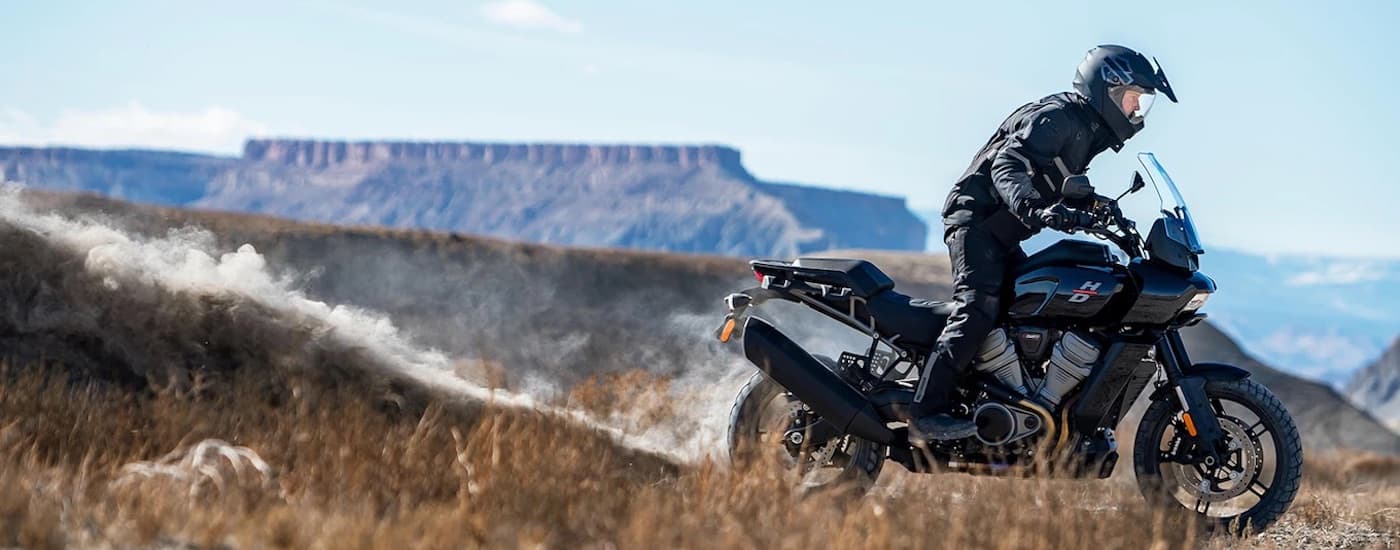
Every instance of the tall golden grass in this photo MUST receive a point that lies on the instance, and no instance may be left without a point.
(87, 464)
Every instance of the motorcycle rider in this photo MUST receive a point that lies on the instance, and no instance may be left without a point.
(1009, 193)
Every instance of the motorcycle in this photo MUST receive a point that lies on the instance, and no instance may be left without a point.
(1082, 335)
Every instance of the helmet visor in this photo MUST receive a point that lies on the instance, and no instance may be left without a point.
(1134, 101)
(1145, 103)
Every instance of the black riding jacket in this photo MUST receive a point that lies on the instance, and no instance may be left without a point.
(1020, 170)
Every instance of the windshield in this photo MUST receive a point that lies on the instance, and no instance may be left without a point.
(1176, 217)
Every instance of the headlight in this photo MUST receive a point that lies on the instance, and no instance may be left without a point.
(1197, 301)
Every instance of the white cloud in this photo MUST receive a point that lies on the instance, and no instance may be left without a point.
(1339, 273)
(216, 129)
(528, 15)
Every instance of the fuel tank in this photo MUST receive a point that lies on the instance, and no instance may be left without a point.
(1070, 283)
(1070, 280)
(1064, 293)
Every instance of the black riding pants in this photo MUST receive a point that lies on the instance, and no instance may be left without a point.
(980, 262)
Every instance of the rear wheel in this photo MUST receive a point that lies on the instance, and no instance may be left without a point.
(767, 423)
(1260, 470)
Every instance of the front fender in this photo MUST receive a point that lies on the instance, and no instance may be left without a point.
(1206, 372)
(1190, 389)
(1216, 371)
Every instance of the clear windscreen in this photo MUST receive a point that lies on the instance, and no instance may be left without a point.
(1175, 216)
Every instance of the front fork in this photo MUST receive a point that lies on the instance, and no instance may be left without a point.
(1196, 411)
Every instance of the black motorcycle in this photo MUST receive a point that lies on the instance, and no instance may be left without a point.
(1083, 336)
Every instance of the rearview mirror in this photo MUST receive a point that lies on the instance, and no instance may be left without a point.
(1137, 185)
(1077, 187)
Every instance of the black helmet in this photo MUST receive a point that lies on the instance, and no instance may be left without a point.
(1107, 73)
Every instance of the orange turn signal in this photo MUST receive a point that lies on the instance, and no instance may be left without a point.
(728, 331)
(1190, 425)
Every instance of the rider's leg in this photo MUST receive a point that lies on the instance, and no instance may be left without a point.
(979, 263)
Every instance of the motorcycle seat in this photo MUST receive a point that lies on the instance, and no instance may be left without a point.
(916, 321)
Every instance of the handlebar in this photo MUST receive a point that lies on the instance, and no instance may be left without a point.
(1110, 224)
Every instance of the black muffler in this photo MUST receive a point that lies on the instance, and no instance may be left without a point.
(826, 393)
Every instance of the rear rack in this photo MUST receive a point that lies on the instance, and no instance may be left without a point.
(860, 277)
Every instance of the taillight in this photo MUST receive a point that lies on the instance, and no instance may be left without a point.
(758, 276)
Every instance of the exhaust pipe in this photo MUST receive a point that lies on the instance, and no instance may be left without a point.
(826, 393)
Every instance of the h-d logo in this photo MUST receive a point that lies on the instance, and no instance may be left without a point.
(1086, 290)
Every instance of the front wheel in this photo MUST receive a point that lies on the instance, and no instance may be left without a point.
(1261, 469)
(767, 422)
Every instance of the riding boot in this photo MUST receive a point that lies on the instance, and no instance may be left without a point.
(931, 420)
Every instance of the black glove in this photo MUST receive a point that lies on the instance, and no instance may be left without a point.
(1116, 214)
(1063, 218)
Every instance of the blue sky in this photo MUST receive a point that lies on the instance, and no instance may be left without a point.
(1282, 142)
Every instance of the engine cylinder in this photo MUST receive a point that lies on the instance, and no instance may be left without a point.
(998, 358)
(1070, 361)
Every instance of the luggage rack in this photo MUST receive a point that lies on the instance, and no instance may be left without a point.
(822, 279)
(858, 277)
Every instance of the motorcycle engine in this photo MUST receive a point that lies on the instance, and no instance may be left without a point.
(1053, 371)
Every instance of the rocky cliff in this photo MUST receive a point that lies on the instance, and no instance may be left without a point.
(669, 197)
(320, 154)
(1377, 387)
(145, 176)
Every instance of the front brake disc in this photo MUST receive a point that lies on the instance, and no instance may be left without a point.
(1230, 479)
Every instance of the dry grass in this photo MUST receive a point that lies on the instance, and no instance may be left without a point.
(88, 465)
(638, 399)
(347, 467)
(1346, 500)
